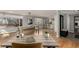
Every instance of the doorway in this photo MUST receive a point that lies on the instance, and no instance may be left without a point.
(63, 32)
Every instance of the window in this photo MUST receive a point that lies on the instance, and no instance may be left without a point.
(10, 21)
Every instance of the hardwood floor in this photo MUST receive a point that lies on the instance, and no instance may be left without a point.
(68, 43)
(63, 42)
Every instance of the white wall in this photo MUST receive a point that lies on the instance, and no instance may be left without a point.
(65, 21)
(71, 24)
(69, 19)
(68, 22)
(57, 24)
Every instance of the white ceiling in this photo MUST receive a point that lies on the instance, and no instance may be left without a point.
(70, 11)
(43, 13)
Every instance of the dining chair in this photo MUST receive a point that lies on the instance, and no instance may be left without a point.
(22, 45)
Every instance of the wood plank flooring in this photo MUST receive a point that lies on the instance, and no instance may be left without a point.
(68, 43)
